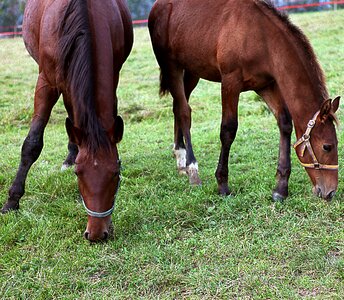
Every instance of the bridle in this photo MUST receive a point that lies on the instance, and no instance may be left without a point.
(104, 214)
(305, 142)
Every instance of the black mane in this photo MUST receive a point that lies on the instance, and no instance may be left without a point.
(76, 69)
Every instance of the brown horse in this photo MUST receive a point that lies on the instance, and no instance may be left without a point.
(246, 45)
(80, 46)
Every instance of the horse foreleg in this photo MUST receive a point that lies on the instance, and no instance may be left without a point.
(230, 96)
(45, 98)
(72, 148)
(284, 166)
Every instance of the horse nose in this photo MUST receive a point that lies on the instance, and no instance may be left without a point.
(95, 238)
(330, 195)
(327, 196)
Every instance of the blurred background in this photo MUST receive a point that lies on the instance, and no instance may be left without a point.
(11, 11)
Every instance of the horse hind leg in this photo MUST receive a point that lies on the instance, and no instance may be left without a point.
(45, 99)
(179, 150)
(186, 161)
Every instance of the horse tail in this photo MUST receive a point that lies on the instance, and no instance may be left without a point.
(76, 70)
(158, 26)
(164, 86)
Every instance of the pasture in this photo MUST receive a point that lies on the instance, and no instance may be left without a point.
(171, 241)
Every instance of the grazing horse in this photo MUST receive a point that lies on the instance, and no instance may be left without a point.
(246, 45)
(80, 47)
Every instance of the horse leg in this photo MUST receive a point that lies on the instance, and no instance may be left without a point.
(182, 121)
(230, 90)
(72, 154)
(45, 99)
(284, 166)
(275, 101)
(72, 148)
(190, 82)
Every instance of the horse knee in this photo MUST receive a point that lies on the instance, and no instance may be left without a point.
(32, 148)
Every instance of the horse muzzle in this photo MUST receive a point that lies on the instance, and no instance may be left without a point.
(324, 193)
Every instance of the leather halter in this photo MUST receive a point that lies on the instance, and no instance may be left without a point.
(104, 214)
(305, 142)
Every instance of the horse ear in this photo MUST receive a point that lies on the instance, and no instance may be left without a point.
(118, 129)
(74, 133)
(335, 104)
(325, 110)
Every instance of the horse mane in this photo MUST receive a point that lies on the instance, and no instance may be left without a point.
(75, 67)
(311, 59)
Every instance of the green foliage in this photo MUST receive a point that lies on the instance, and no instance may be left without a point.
(11, 12)
(171, 241)
(140, 8)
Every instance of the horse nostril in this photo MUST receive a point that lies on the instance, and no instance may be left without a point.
(330, 195)
(86, 235)
(106, 235)
(318, 192)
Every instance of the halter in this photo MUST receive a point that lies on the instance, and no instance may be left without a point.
(104, 214)
(304, 142)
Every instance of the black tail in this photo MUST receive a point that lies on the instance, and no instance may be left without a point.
(76, 70)
(164, 87)
(158, 28)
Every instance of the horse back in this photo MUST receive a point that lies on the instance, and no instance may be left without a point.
(110, 26)
(209, 38)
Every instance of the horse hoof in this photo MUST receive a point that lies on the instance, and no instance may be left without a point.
(64, 167)
(277, 197)
(195, 181)
(192, 172)
(224, 191)
(8, 206)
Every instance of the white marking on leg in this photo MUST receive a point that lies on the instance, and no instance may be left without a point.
(192, 171)
(180, 155)
(64, 167)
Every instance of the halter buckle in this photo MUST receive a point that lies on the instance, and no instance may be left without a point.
(316, 166)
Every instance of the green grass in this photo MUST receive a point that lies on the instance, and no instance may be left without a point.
(171, 241)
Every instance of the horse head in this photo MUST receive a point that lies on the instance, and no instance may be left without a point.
(317, 150)
(98, 175)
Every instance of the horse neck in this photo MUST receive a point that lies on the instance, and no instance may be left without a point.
(301, 86)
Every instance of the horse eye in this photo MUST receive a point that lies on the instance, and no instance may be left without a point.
(327, 147)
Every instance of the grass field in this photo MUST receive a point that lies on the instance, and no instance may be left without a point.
(171, 241)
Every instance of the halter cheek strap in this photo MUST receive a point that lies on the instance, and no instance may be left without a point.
(104, 214)
(305, 143)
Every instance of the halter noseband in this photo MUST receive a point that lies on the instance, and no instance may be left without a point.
(304, 142)
(104, 214)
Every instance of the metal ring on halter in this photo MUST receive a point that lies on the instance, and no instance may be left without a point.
(104, 214)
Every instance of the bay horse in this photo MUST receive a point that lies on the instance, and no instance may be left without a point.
(246, 45)
(80, 47)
